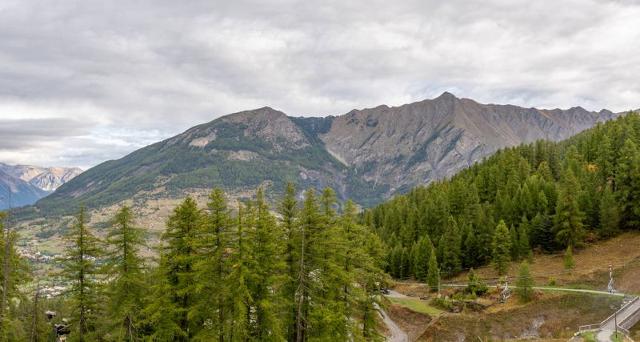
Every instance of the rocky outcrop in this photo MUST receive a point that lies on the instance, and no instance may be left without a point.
(419, 142)
(367, 155)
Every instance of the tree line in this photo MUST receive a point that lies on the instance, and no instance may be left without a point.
(542, 196)
(310, 272)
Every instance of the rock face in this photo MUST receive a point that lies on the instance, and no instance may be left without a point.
(419, 142)
(367, 155)
(24, 184)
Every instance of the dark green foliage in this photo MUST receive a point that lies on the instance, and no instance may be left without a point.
(501, 248)
(14, 274)
(176, 290)
(126, 290)
(552, 195)
(475, 285)
(568, 218)
(82, 273)
(433, 272)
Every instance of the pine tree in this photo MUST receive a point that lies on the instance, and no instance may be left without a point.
(501, 248)
(609, 214)
(433, 272)
(424, 247)
(627, 182)
(266, 270)
(310, 220)
(127, 286)
(524, 248)
(211, 269)
(81, 272)
(515, 247)
(450, 242)
(568, 218)
(175, 292)
(524, 284)
(241, 301)
(14, 275)
(288, 221)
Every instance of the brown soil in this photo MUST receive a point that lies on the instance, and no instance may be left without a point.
(550, 317)
(592, 263)
(411, 322)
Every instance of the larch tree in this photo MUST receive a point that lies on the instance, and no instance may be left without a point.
(211, 269)
(288, 211)
(82, 273)
(501, 248)
(266, 274)
(433, 272)
(126, 274)
(175, 292)
(568, 218)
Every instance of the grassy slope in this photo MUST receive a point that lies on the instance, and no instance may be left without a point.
(591, 270)
(557, 314)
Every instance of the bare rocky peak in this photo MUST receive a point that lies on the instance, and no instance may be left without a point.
(44, 178)
(431, 139)
(265, 123)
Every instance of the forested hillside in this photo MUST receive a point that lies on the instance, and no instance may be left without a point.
(311, 274)
(543, 196)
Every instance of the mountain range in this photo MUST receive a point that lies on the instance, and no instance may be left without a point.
(367, 155)
(25, 184)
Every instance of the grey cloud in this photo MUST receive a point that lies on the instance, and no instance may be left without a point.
(163, 66)
(27, 133)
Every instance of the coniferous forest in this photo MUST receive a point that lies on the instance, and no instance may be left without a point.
(541, 197)
(311, 269)
(308, 273)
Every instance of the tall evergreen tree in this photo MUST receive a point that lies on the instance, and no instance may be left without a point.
(450, 244)
(568, 218)
(127, 286)
(424, 249)
(81, 272)
(288, 211)
(433, 272)
(211, 269)
(627, 182)
(266, 270)
(501, 248)
(175, 292)
(14, 275)
(609, 213)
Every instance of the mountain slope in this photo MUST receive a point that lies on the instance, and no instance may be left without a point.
(367, 155)
(238, 152)
(432, 139)
(30, 183)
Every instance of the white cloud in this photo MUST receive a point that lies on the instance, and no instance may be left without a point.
(135, 72)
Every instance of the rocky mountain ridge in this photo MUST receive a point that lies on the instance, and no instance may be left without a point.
(368, 155)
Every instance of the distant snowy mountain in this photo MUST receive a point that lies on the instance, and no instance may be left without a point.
(24, 184)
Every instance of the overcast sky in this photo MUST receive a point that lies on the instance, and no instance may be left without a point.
(86, 81)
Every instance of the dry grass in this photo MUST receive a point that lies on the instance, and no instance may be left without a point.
(591, 269)
(553, 316)
(548, 318)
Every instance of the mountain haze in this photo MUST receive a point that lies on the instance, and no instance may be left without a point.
(25, 184)
(368, 155)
